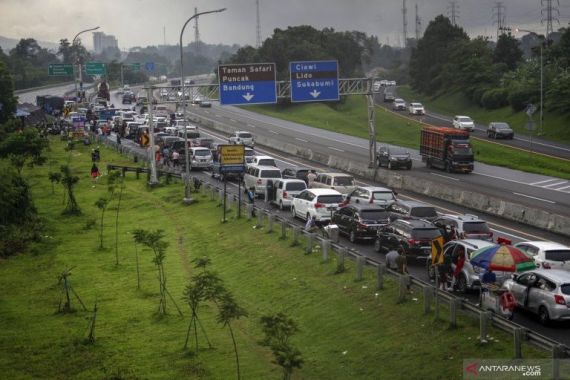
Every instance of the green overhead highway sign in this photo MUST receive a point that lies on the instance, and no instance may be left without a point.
(133, 66)
(95, 68)
(58, 69)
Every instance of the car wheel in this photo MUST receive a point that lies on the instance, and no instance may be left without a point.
(293, 212)
(281, 205)
(462, 283)
(543, 315)
(430, 269)
(377, 245)
(352, 236)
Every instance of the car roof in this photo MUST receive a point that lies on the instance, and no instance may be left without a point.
(545, 245)
(465, 218)
(291, 180)
(324, 192)
(415, 223)
(413, 203)
(263, 157)
(265, 167)
(557, 275)
(336, 174)
(475, 243)
(375, 188)
(398, 100)
(458, 116)
(361, 206)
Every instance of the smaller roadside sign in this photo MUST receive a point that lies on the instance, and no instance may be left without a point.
(149, 66)
(95, 68)
(58, 69)
(232, 154)
(133, 66)
(437, 256)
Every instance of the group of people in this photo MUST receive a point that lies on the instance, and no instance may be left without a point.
(168, 157)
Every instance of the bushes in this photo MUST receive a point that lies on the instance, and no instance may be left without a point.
(495, 98)
(519, 98)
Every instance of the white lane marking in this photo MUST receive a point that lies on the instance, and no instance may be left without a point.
(296, 138)
(538, 199)
(339, 150)
(251, 125)
(555, 184)
(444, 176)
(276, 133)
(546, 180)
(512, 180)
(563, 188)
(206, 111)
(218, 115)
(233, 120)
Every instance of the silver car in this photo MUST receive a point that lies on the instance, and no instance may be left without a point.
(545, 292)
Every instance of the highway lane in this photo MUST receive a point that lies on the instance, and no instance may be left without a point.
(558, 331)
(524, 188)
(539, 145)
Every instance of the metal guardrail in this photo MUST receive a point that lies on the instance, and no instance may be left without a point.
(559, 350)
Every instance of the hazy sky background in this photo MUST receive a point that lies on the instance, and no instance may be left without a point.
(141, 22)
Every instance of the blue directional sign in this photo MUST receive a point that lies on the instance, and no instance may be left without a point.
(314, 81)
(252, 83)
(149, 66)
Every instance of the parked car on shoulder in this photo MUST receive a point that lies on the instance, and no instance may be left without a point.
(399, 105)
(466, 226)
(414, 236)
(242, 137)
(393, 157)
(320, 203)
(342, 182)
(372, 195)
(464, 123)
(286, 190)
(412, 210)
(416, 109)
(544, 292)
(547, 254)
(360, 221)
(498, 130)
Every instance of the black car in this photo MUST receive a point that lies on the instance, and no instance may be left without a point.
(203, 142)
(500, 130)
(414, 236)
(411, 210)
(393, 157)
(128, 98)
(360, 221)
(296, 173)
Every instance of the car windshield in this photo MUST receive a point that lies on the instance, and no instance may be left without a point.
(425, 233)
(374, 215)
(476, 227)
(557, 255)
(416, 105)
(344, 181)
(202, 152)
(296, 186)
(423, 212)
(248, 153)
(383, 196)
(270, 174)
(266, 162)
(502, 126)
(462, 149)
(465, 119)
(398, 151)
(245, 135)
(329, 198)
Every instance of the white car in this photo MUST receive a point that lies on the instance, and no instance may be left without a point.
(464, 123)
(320, 203)
(257, 177)
(416, 109)
(201, 158)
(286, 190)
(399, 105)
(263, 161)
(242, 137)
(379, 196)
(547, 254)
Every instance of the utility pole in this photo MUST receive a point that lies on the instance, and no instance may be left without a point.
(164, 35)
(453, 12)
(258, 26)
(405, 17)
(418, 24)
(500, 15)
(550, 13)
(196, 31)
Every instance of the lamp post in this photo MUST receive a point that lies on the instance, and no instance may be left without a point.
(187, 193)
(541, 78)
(78, 61)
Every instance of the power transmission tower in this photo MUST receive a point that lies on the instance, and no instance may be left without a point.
(499, 13)
(550, 13)
(258, 27)
(405, 17)
(453, 12)
(418, 24)
(196, 32)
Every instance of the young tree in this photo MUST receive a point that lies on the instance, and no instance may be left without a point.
(121, 180)
(507, 51)
(101, 204)
(7, 99)
(24, 146)
(229, 311)
(69, 181)
(54, 178)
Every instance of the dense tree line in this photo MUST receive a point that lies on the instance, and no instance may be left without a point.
(446, 60)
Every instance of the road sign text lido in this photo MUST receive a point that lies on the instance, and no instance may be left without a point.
(314, 81)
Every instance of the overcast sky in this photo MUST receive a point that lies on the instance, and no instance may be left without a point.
(141, 22)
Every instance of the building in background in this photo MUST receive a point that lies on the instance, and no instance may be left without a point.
(102, 41)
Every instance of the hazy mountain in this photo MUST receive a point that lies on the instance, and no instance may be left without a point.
(8, 44)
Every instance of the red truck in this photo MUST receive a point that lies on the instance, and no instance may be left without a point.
(446, 148)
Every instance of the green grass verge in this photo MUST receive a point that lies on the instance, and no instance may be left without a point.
(556, 127)
(348, 330)
(350, 118)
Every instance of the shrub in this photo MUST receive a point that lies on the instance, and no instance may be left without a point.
(495, 98)
(519, 98)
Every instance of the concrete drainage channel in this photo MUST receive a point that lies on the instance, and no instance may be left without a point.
(271, 222)
(495, 206)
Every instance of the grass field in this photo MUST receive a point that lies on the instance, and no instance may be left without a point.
(348, 329)
(555, 126)
(350, 118)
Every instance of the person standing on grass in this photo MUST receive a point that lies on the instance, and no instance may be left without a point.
(94, 173)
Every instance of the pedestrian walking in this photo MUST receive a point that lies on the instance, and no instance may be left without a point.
(94, 173)
(402, 263)
(311, 178)
(459, 261)
(391, 259)
(175, 158)
(165, 156)
(251, 197)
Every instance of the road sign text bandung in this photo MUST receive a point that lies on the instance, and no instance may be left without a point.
(252, 83)
(314, 81)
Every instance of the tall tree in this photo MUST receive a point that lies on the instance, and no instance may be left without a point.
(7, 100)
(507, 51)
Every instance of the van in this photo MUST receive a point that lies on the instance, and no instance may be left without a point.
(257, 177)
(286, 190)
(190, 133)
(343, 183)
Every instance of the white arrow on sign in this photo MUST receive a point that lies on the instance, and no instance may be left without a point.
(314, 93)
(248, 96)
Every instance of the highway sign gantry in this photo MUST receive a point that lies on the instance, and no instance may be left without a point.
(314, 81)
(95, 68)
(58, 69)
(252, 83)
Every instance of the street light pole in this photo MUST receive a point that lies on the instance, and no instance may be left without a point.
(78, 61)
(187, 193)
